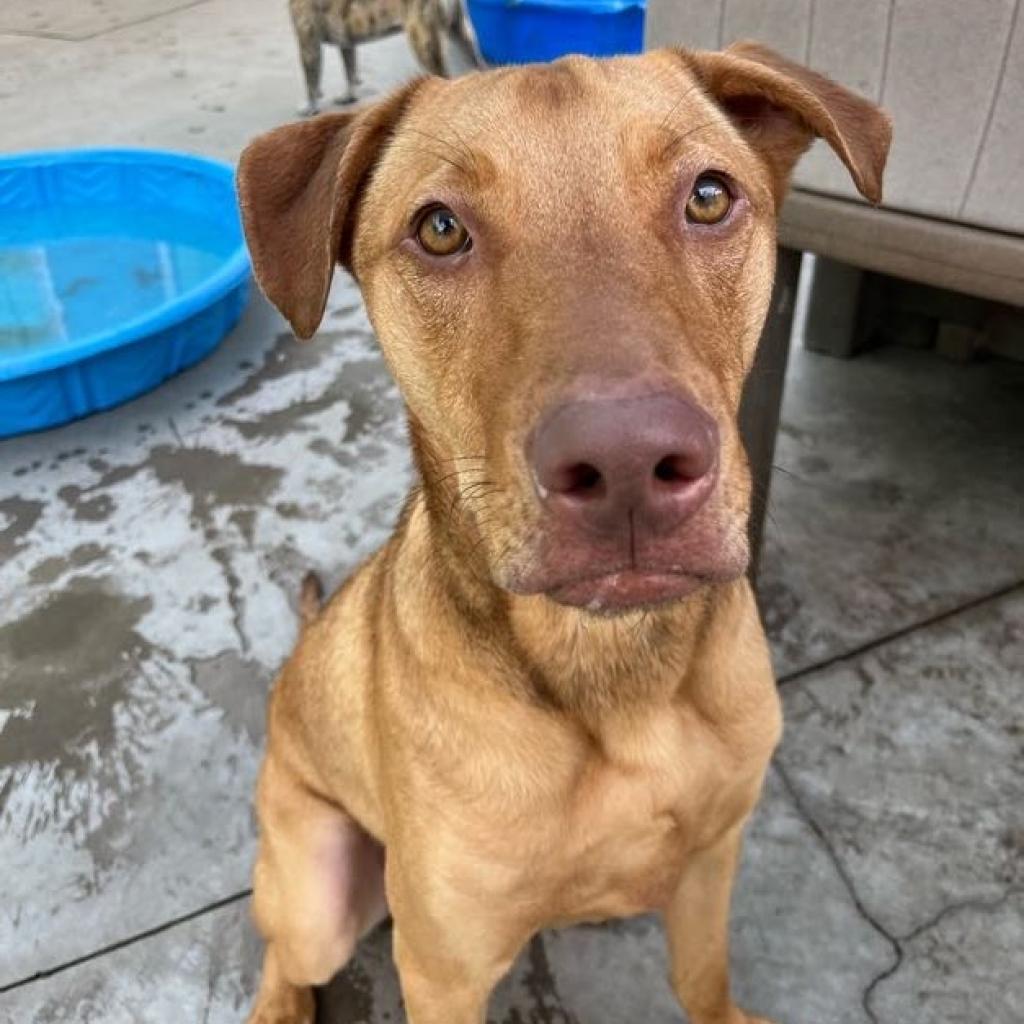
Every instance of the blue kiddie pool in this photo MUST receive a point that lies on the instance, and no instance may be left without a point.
(523, 31)
(118, 268)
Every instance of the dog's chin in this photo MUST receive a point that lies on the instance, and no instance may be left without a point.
(626, 590)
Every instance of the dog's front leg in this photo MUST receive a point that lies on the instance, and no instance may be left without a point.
(697, 921)
(442, 986)
(450, 951)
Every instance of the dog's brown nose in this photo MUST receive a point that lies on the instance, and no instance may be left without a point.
(605, 462)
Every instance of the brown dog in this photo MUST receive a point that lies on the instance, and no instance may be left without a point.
(548, 698)
(347, 23)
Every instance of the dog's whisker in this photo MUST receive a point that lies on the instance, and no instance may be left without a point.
(463, 494)
(476, 546)
(477, 490)
(677, 141)
(488, 516)
(762, 500)
(471, 490)
(678, 103)
(441, 142)
(477, 511)
(437, 481)
(464, 147)
(789, 473)
(478, 506)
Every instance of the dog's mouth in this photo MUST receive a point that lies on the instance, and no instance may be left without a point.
(626, 590)
(606, 577)
(617, 586)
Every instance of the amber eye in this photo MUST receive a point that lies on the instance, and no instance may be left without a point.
(441, 233)
(709, 200)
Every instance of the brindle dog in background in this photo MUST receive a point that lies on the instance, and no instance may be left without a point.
(347, 23)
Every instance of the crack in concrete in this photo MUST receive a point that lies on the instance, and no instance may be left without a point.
(847, 879)
(979, 906)
(898, 942)
(220, 556)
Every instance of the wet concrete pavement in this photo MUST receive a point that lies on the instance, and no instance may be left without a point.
(148, 567)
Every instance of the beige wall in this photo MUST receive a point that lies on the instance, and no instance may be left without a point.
(951, 72)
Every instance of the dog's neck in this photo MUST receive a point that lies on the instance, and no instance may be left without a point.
(587, 665)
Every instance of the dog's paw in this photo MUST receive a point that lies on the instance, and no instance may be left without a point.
(345, 99)
(307, 110)
(293, 1006)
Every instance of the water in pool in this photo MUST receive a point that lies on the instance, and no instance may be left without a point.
(74, 273)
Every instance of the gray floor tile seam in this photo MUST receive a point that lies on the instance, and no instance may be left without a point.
(65, 38)
(848, 883)
(936, 619)
(50, 37)
(155, 16)
(130, 940)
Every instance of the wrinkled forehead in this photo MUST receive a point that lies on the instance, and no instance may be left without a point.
(574, 93)
(578, 120)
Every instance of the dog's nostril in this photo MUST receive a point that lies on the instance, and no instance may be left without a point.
(672, 470)
(582, 480)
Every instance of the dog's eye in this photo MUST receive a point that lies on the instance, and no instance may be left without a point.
(709, 200)
(441, 233)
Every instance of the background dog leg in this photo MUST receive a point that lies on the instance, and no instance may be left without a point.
(309, 53)
(423, 27)
(697, 922)
(348, 61)
(463, 36)
(318, 887)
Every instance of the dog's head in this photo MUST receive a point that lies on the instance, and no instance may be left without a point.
(568, 267)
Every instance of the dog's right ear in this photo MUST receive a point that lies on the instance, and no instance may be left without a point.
(298, 188)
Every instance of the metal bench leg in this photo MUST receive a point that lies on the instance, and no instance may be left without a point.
(762, 399)
(834, 317)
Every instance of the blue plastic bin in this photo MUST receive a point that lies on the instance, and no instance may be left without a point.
(524, 31)
(118, 268)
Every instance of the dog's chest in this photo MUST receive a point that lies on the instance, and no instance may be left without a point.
(636, 817)
(614, 833)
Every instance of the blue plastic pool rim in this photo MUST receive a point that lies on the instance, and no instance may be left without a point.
(231, 273)
(575, 6)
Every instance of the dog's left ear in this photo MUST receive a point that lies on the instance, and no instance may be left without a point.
(780, 106)
(298, 189)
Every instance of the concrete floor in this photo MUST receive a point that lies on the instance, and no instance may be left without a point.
(148, 566)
